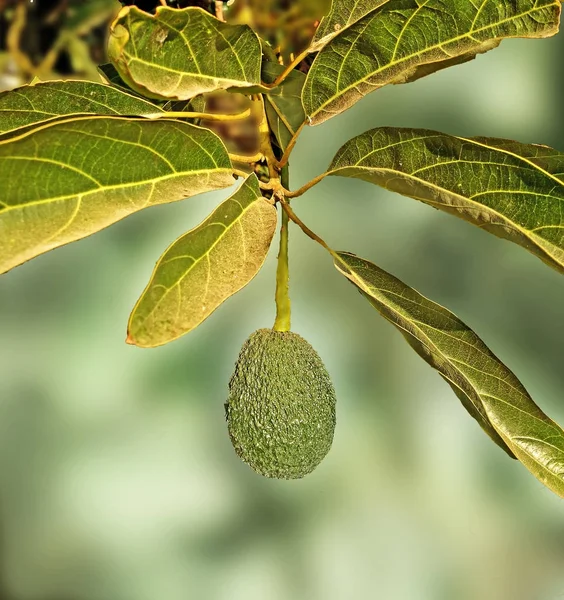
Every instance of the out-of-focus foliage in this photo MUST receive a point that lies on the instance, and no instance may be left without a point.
(52, 39)
(117, 480)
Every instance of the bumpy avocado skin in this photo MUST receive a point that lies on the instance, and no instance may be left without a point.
(281, 407)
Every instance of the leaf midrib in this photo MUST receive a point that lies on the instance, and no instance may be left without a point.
(112, 188)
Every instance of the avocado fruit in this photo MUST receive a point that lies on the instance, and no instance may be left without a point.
(281, 407)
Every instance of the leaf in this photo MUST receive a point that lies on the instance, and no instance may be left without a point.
(178, 54)
(513, 190)
(284, 104)
(343, 14)
(66, 180)
(30, 105)
(204, 267)
(490, 392)
(402, 40)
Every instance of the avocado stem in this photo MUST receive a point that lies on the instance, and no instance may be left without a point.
(283, 309)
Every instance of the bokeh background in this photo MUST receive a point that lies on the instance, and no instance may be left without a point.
(117, 477)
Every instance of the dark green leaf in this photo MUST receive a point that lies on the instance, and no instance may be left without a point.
(513, 190)
(32, 104)
(66, 180)
(402, 40)
(178, 54)
(284, 103)
(204, 267)
(490, 392)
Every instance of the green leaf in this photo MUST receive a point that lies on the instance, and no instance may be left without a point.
(66, 180)
(402, 40)
(513, 190)
(33, 104)
(490, 392)
(343, 14)
(204, 267)
(284, 104)
(178, 54)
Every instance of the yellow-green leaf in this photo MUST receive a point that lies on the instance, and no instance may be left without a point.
(204, 267)
(487, 388)
(178, 54)
(401, 40)
(513, 190)
(66, 180)
(33, 104)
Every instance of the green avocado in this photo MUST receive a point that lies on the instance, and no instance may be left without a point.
(281, 407)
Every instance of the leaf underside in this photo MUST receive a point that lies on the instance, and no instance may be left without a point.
(35, 104)
(513, 190)
(490, 392)
(401, 40)
(204, 267)
(69, 179)
(178, 54)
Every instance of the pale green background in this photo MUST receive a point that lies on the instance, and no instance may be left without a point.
(117, 478)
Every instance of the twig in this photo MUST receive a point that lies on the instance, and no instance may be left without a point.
(200, 115)
(305, 187)
(247, 159)
(293, 217)
(219, 10)
(287, 70)
(14, 37)
(286, 156)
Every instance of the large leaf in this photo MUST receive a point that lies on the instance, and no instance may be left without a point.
(513, 190)
(65, 180)
(343, 14)
(403, 40)
(178, 54)
(32, 104)
(490, 392)
(284, 104)
(204, 267)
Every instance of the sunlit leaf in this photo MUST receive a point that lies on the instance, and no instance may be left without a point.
(513, 190)
(65, 180)
(490, 392)
(402, 40)
(204, 267)
(178, 54)
(32, 104)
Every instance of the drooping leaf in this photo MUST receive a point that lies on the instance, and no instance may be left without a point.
(204, 267)
(283, 104)
(66, 180)
(402, 40)
(178, 54)
(33, 104)
(513, 190)
(490, 392)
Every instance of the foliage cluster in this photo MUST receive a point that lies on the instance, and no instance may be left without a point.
(199, 94)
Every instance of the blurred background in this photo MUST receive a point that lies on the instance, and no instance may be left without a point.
(117, 477)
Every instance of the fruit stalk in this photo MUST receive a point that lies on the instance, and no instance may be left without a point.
(283, 309)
